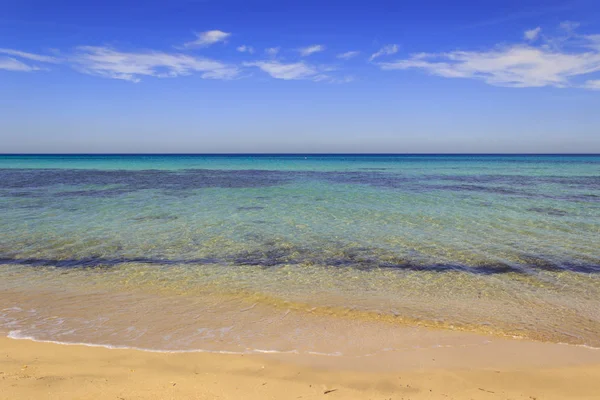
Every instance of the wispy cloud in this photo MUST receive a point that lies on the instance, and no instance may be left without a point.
(245, 49)
(29, 56)
(519, 65)
(132, 66)
(348, 55)
(289, 71)
(272, 51)
(593, 85)
(13, 61)
(205, 39)
(569, 26)
(12, 64)
(385, 51)
(532, 34)
(299, 71)
(307, 51)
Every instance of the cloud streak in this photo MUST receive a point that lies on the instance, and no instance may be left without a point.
(385, 51)
(556, 63)
(245, 49)
(307, 51)
(12, 64)
(272, 51)
(132, 66)
(298, 71)
(208, 38)
(13, 60)
(29, 56)
(532, 34)
(593, 84)
(348, 55)
(285, 71)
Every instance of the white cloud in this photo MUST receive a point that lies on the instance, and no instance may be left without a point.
(594, 84)
(348, 55)
(344, 79)
(272, 51)
(592, 42)
(569, 26)
(245, 49)
(29, 56)
(307, 51)
(518, 65)
(290, 71)
(131, 66)
(15, 63)
(385, 51)
(205, 39)
(12, 64)
(298, 71)
(532, 34)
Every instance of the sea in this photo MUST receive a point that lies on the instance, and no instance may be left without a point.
(306, 253)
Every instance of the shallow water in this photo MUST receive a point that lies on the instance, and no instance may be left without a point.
(264, 252)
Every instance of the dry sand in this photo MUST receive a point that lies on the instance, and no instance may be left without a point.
(507, 369)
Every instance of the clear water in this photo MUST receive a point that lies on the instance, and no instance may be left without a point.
(247, 252)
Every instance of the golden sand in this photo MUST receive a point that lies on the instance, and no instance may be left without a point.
(506, 369)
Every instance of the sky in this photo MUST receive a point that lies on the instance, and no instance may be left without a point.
(265, 76)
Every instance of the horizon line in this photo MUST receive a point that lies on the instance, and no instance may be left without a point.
(298, 154)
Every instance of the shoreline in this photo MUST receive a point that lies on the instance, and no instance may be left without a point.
(504, 369)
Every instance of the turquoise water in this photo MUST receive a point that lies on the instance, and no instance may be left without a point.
(505, 244)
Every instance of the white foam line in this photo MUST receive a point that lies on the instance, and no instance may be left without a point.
(316, 353)
(16, 335)
(264, 351)
(579, 345)
(558, 343)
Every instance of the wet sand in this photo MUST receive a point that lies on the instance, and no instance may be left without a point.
(504, 369)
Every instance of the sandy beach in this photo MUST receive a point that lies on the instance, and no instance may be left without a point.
(507, 369)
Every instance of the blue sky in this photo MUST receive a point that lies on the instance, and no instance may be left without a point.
(299, 76)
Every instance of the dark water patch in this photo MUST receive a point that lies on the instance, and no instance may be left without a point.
(575, 198)
(140, 180)
(101, 262)
(159, 217)
(485, 269)
(93, 193)
(269, 257)
(581, 181)
(28, 182)
(555, 212)
(369, 258)
(518, 180)
(581, 267)
(27, 206)
(70, 208)
(480, 188)
(259, 221)
(370, 178)
(276, 257)
(22, 193)
(250, 208)
(373, 169)
(585, 197)
(487, 179)
(544, 264)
